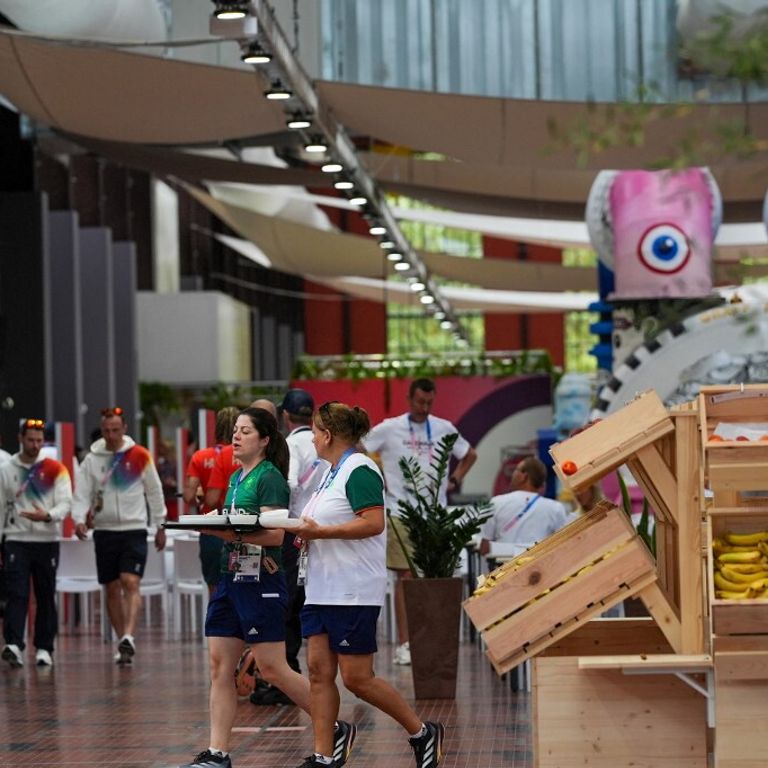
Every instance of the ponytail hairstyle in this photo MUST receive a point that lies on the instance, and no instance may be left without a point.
(349, 424)
(266, 425)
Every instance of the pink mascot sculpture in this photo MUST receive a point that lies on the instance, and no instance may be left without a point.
(655, 231)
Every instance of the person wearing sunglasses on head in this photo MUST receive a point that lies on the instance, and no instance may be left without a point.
(116, 482)
(343, 567)
(35, 496)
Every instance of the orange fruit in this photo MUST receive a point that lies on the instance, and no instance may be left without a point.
(569, 467)
(716, 439)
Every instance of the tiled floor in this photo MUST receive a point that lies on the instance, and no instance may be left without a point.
(89, 712)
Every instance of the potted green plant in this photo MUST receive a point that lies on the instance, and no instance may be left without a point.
(438, 535)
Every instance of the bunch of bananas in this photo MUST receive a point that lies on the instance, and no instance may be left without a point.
(486, 582)
(741, 566)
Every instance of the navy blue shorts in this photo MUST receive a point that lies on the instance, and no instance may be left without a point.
(254, 611)
(119, 552)
(350, 628)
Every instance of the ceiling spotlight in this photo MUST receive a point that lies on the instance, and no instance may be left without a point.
(402, 266)
(228, 10)
(316, 146)
(427, 298)
(297, 122)
(386, 244)
(278, 92)
(254, 53)
(446, 325)
(417, 286)
(332, 168)
(359, 200)
(377, 229)
(394, 256)
(343, 185)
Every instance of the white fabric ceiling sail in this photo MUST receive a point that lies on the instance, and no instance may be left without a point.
(298, 249)
(535, 190)
(505, 146)
(515, 132)
(118, 96)
(467, 299)
(303, 250)
(734, 241)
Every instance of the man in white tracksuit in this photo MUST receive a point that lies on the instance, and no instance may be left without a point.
(35, 496)
(116, 482)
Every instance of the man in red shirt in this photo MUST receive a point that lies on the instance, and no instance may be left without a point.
(199, 472)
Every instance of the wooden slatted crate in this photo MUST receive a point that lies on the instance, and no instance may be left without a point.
(557, 585)
(736, 617)
(733, 466)
(609, 443)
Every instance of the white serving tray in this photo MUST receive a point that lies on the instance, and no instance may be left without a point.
(273, 518)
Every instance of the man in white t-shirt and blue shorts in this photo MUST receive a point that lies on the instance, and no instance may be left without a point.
(415, 433)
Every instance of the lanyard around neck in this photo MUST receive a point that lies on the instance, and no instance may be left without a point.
(330, 477)
(415, 442)
(326, 482)
(240, 477)
(517, 517)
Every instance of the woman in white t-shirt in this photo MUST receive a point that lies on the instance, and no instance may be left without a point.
(343, 565)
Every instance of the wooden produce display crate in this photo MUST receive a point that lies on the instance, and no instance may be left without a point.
(589, 455)
(733, 465)
(554, 587)
(662, 451)
(744, 616)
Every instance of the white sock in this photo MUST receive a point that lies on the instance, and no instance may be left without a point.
(419, 733)
(217, 752)
(323, 759)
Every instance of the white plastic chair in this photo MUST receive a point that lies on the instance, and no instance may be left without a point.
(188, 581)
(76, 575)
(154, 583)
(387, 615)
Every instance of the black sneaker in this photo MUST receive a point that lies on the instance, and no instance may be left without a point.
(313, 762)
(267, 695)
(428, 749)
(343, 738)
(207, 759)
(126, 650)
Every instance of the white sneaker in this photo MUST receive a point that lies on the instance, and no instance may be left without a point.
(403, 655)
(12, 654)
(43, 658)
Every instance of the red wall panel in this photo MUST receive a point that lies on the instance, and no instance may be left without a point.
(533, 331)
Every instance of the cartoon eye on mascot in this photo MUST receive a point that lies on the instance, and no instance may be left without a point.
(654, 232)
